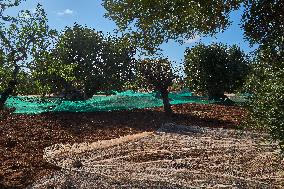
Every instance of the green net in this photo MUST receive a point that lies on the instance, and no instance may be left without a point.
(121, 101)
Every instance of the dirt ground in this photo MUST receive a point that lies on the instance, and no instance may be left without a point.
(24, 137)
(174, 156)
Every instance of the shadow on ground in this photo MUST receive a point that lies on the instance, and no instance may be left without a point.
(24, 137)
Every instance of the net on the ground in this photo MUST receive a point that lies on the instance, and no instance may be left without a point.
(121, 101)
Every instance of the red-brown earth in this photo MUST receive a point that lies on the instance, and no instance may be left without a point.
(24, 137)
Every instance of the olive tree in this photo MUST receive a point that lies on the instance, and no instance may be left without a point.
(150, 23)
(215, 68)
(25, 84)
(84, 60)
(24, 39)
(266, 85)
(263, 25)
(158, 75)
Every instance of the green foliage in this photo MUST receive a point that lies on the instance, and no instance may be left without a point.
(150, 23)
(263, 24)
(4, 4)
(266, 82)
(25, 84)
(27, 35)
(5, 76)
(24, 40)
(215, 69)
(51, 75)
(178, 84)
(157, 74)
(85, 60)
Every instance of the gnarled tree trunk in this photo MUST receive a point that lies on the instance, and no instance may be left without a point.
(10, 88)
(166, 101)
(215, 92)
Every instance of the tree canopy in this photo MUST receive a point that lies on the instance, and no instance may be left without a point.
(263, 24)
(266, 83)
(215, 68)
(85, 60)
(157, 74)
(24, 39)
(151, 22)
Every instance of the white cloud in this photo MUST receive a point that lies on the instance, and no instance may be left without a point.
(192, 40)
(65, 12)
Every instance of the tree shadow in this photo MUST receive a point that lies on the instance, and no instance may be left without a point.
(188, 119)
(132, 121)
(103, 122)
(31, 134)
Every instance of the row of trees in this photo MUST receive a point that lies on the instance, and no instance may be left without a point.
(82, 59)
(154, 22)
(84, 62)
(76, 63)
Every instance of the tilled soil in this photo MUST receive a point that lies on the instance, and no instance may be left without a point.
(175, 156)
(24, 137)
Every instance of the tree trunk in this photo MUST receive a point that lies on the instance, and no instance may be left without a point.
(166, 101)
(10, 88)
(216, 93)
(219, 96)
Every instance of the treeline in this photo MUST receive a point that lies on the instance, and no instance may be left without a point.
(153, 22)
(83, 62)
(80, 61)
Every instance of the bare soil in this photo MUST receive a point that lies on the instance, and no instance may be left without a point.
(24, 137)
(175, 156)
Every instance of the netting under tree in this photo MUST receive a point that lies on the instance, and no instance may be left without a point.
(121, 101)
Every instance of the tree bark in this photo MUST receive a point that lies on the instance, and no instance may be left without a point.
(216, 93)
(166, 101)
(219, 96)
(10, 88)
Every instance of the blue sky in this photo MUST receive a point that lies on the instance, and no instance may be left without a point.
(62, 13)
